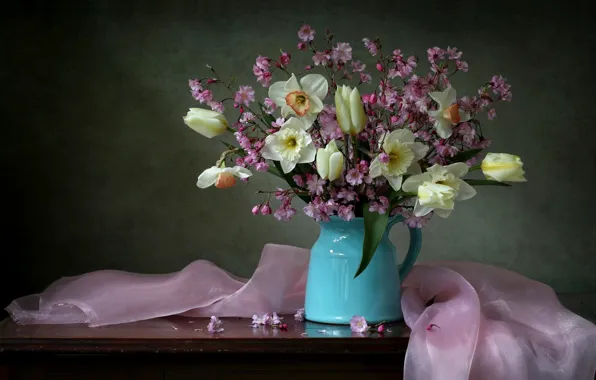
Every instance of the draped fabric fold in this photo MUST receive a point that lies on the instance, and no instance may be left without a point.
(468, 320)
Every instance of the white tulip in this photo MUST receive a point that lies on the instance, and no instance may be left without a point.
(206, 122)
(438, 198)
(349, 110)
(291, 145)
(222, 177)
(403, 154)
(330, 162)
(503, 167)
(304, 99)
(447, 113)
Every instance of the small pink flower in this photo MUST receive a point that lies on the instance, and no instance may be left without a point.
(260, 321)
(434, 54)
(270, 105)
(263, 63)
(285, 58)
(275, 320)
(347, 194)
(278, 122)
(354, 177)
(255, 210)
(284, 213)
(384, 158)
(467, 132)
(315, 184)
(358, 66)
(462, 66)
(204, 96)
(413, 221)
(245, 95)
(394, 120)
(306, 33)
(492, 113)
(321, 58)
(381, 329)
(358, 324)
(299, 316)
(301, 46)
(379, 67)
(299, 180)
(262, 166)
(214, 325)
(341, 53)
(266, 209)
(195, 85)
(216, 106)
(365, 78)
(346, 212)
(371, 46)
(454, 53)
(308, 67)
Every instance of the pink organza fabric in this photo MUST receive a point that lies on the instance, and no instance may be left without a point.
(486, 323)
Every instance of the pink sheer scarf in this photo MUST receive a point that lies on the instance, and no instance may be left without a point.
(485, 323)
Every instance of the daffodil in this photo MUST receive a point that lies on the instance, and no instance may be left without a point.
(438, 189)
(503, 167)
(291, 145)
(206, 122)
(349, 110)
(401, 155)
(447, 113)
(330, 161)
(304, 99)
(222, 177)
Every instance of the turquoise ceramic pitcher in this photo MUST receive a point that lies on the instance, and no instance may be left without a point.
(333, 295)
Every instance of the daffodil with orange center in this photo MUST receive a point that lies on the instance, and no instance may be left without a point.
(447, 113)
(303, 99)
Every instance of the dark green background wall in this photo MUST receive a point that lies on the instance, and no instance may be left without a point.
(99, 171)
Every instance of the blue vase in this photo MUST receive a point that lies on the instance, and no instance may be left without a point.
(333, 295)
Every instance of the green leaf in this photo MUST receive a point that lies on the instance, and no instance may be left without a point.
(374, 229)
(465, 156)
(275, 172)
(485, 182)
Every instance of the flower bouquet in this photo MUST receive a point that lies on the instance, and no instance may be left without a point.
(402, 149)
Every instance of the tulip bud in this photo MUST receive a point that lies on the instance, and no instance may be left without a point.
(330, 162)
(503, 167)
(350, 110)
(206, 122)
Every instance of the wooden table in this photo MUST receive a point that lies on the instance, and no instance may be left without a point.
(179, 348)
(182, 348)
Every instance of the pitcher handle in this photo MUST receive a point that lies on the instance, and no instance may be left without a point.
(412, 255)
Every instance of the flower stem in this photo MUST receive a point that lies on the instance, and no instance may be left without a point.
(475, 167)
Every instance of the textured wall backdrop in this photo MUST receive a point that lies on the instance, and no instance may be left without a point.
(99, 169)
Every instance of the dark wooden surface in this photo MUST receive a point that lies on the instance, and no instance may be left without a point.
(179, 348)
(182, 348)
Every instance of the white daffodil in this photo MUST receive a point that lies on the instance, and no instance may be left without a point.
(447, 113)
(349, 110)
(438, 188)
(291, 145)
(304, 99)
(503, 167)
(206, 122)
(330, 161)
(401, 157)
(222, 177)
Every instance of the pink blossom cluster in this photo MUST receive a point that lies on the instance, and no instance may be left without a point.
(400, 99)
